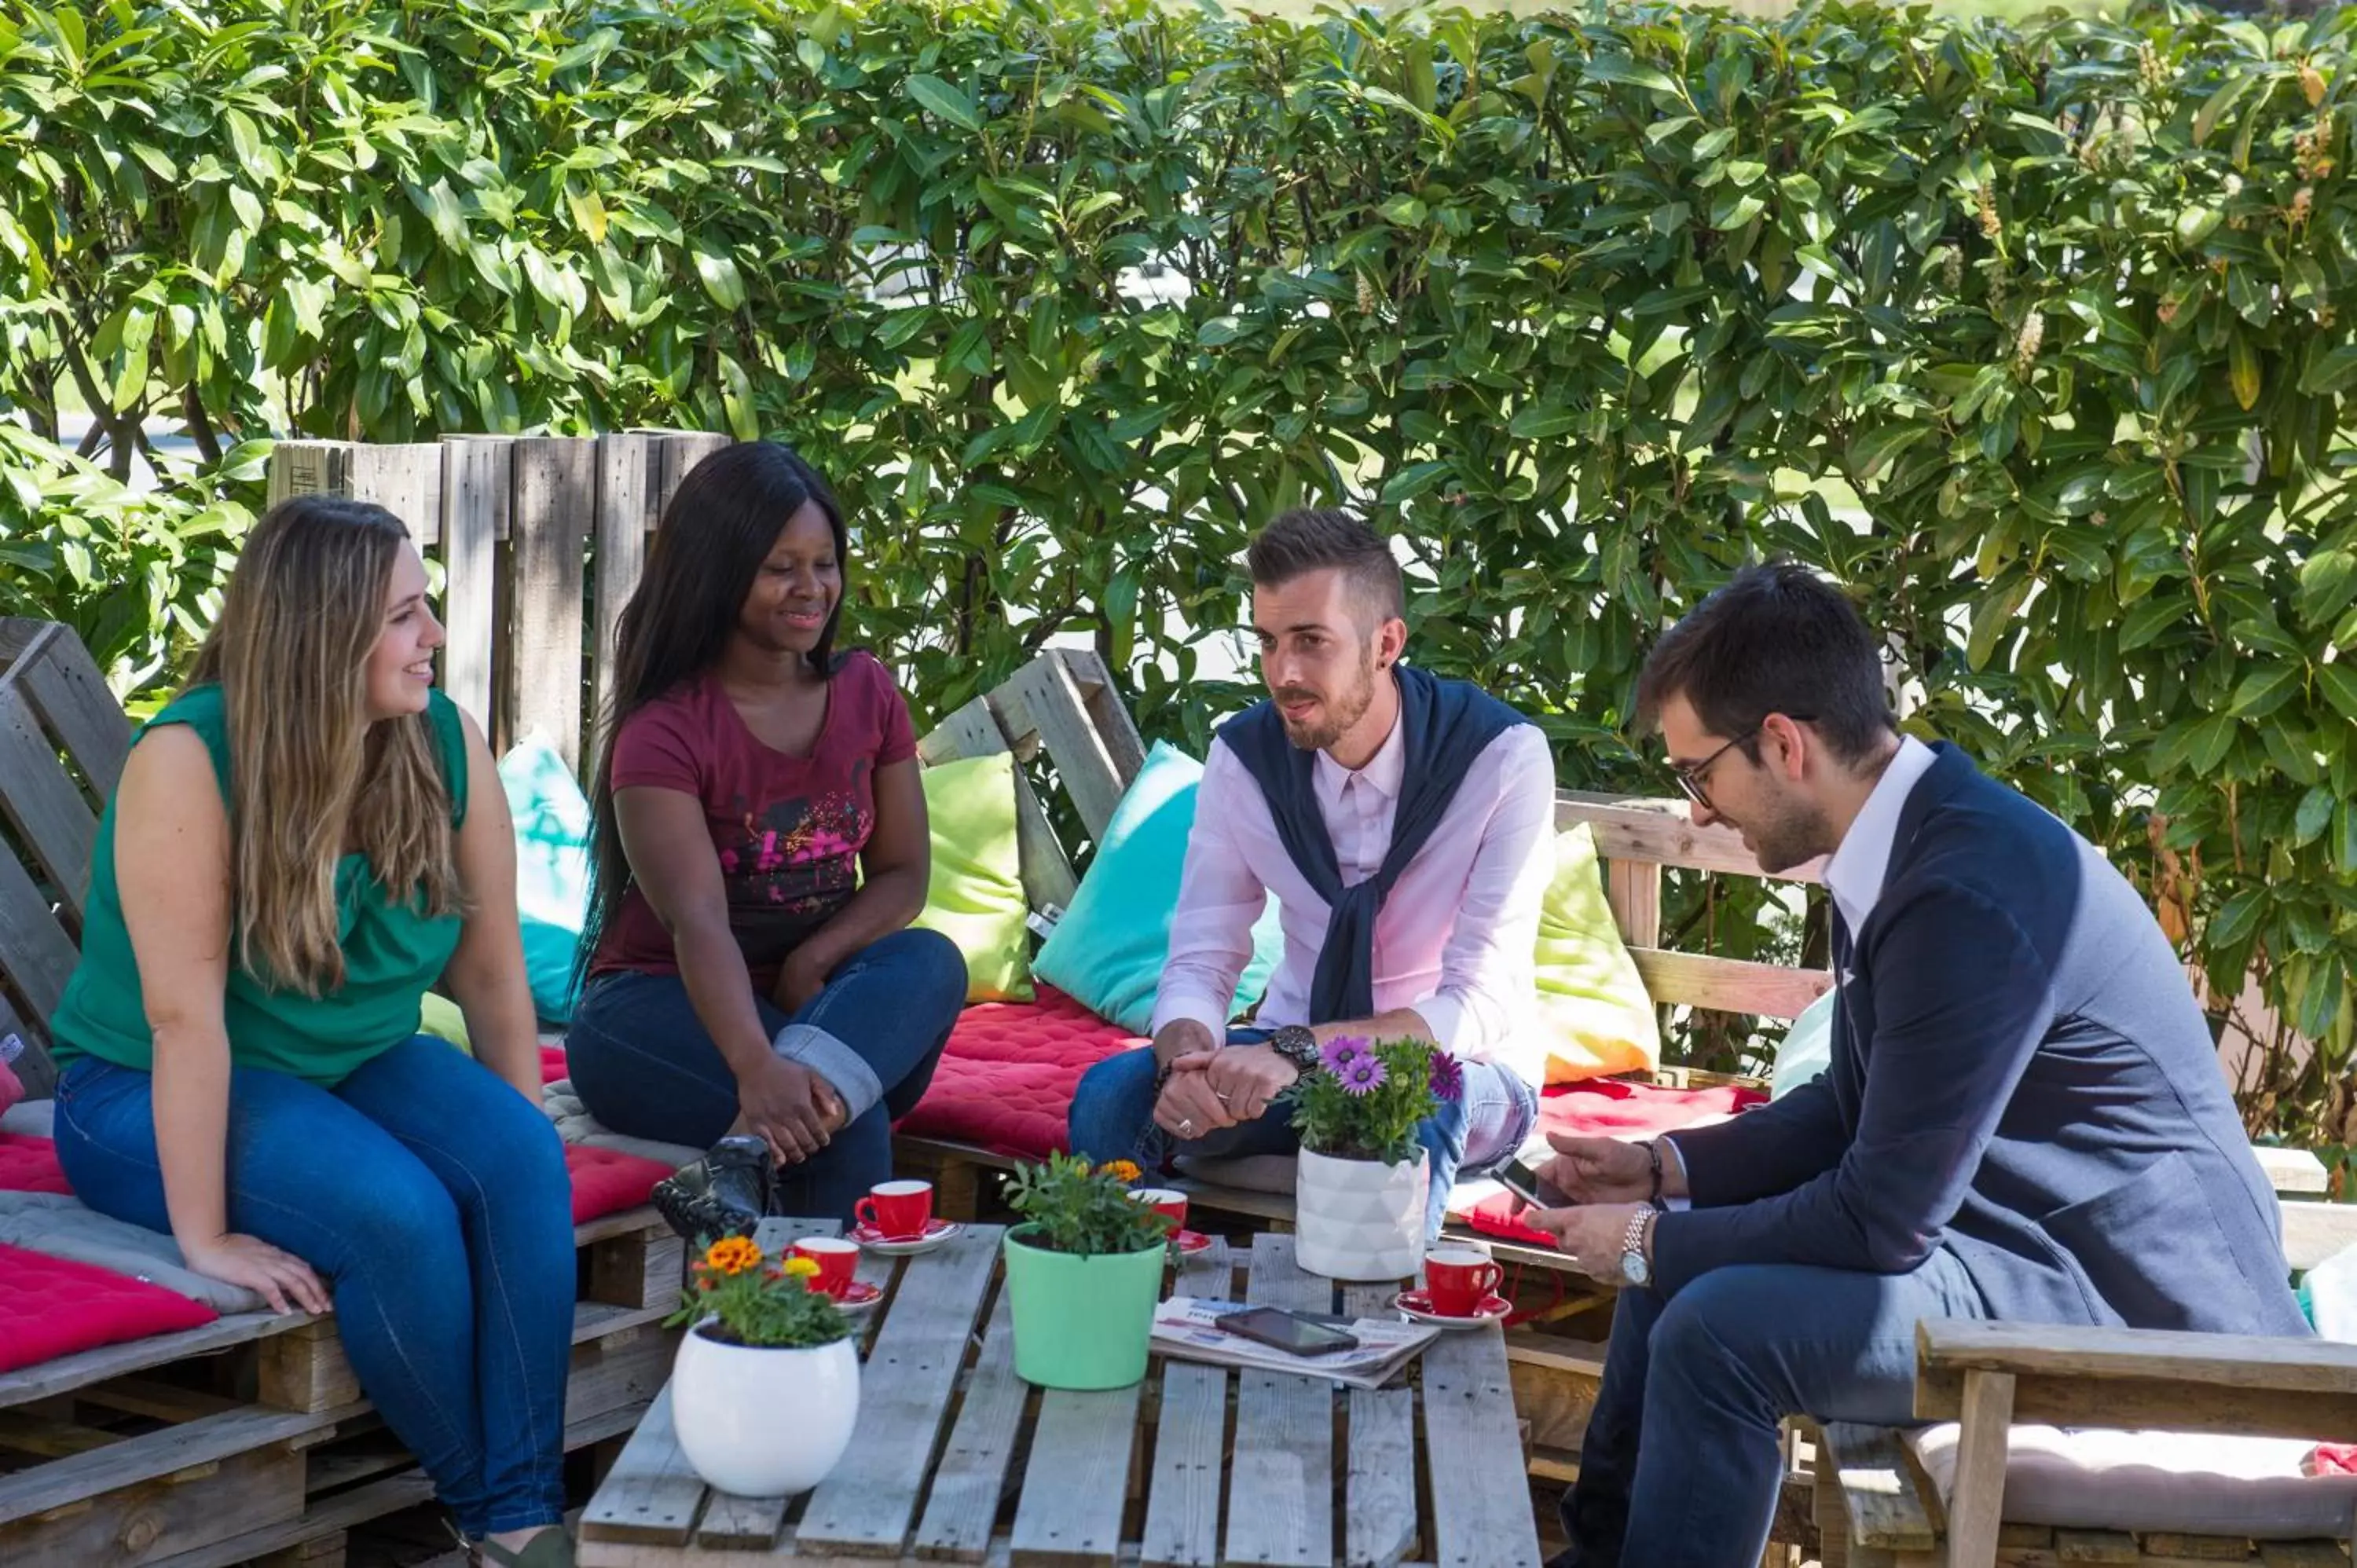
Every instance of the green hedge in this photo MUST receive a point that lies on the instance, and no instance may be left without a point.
(2038, 335)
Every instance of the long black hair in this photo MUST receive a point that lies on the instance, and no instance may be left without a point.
(721, 524)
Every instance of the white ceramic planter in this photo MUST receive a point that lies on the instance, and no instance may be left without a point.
(1359, 1219)
(763, 1421)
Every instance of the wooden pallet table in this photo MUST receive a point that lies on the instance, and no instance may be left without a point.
(956, 1460)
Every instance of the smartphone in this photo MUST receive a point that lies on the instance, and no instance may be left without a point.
(1518, 1178)
(1289, 1332)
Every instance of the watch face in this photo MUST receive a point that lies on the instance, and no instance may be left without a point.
(1634, 1269)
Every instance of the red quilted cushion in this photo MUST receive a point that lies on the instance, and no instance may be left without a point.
(51, 1307)
(552, 1064)
(1607, 1108)
(29, 1165)
(606, 1181)
(1007, 1078)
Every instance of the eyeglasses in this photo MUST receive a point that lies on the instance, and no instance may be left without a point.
(1690, 779)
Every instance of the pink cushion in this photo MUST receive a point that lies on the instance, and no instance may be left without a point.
(552, 1064)
(51, 1307)
(606, 1181)
(12, 1088)
(30, 1165)
(1007, 1078)
(1609, 1108)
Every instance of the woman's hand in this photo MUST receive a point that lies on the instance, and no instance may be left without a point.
(278, 1277)
(790, 1107)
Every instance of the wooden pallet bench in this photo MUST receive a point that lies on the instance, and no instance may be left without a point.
(956, 1460)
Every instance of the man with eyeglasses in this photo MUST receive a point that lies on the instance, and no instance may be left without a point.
(2024, 1117)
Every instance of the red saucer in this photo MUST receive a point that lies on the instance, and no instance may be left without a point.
(860, 1296)
(1187, 1243)
(1417, 1304)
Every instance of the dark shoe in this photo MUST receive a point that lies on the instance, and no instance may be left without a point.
(723, 1193)
(549, 1549)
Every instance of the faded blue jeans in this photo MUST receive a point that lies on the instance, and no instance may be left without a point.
(1704, 1378)
(433, 1201)
(1113, 1118)
(644, 1064)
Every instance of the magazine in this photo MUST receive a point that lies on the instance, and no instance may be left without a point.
(1188, 1326)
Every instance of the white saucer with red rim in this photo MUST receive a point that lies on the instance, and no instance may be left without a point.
(860, 1296)
(1417, 1304)
(1187, 1243)
(937, 1230)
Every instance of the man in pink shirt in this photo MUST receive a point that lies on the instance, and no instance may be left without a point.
(1404, 826)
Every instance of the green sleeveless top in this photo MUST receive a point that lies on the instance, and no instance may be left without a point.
(392, 951)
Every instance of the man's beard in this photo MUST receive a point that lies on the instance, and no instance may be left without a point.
(1795, 836)
(1344, 709)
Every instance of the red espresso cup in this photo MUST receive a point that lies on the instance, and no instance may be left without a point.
(1458, 1280)
(897, 1210)
(837, 1260)
(1165, 1201)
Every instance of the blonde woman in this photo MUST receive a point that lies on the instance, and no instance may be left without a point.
(306, 838)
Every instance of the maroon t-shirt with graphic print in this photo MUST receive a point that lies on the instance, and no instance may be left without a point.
(788, 829)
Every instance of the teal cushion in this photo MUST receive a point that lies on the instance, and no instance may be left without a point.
(552, 831)
(1108, 950)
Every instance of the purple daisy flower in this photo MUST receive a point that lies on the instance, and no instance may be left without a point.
(1340, 1052)
(1364, 1076)
(1448, 1078)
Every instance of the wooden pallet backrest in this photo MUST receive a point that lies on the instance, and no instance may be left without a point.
(1638, 839)
(63, 740)
(1063, 704)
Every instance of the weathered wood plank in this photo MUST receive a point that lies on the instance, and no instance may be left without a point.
(169, 1451)
(1108, 714)
(479, 478)
(2314, 1231)
(1379, 1520)
(65, 688)
(1728, 984)
(309, 467)
(682, 451)
(34, 1069)
(962, 1509)
(555, 499)
(1633, 828)
(333, 1515)
(1867, 1467)
(1633, 889)
(1076, 1482)
(1182, 1499)
(1976, 1499)
(629, 473)
(403, 477)
(52, 818)
(1041, 699)
(1281, 1475)
(2293, 1170)
(650, 1495)
(868, 1506)
(1469, 1441)
(973, 731)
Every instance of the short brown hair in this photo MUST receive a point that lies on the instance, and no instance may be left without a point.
(1313, 539)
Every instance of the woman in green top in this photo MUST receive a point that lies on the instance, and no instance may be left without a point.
(290, 861)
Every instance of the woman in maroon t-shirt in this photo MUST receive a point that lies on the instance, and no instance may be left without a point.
(760, 847)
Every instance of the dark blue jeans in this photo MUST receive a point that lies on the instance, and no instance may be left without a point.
(433, 1199)
(644, 1064)
(1113, 1118)
(1704, 1378)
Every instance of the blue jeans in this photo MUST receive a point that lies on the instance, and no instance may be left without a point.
(433, 1199)
(644, 1064)
(1113, 1118)
(1707, 1375)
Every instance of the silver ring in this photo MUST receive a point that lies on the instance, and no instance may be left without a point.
(1218, 1096)
(1186, 1126)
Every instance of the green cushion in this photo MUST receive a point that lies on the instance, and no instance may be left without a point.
(1109, 948)
(440, 1016)
(976, 896)
(1591, 1002)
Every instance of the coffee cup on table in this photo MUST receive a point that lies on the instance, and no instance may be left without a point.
(897, 1210)
(1458, 1278)
(1165, 1201)
(837, 1260)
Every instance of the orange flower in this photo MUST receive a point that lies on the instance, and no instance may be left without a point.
(1120, 1170)
(732, 1255)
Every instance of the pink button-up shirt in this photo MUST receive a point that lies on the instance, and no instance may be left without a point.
(1456, 937)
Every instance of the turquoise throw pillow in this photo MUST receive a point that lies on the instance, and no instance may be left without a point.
(1108, 950)
(552, 831)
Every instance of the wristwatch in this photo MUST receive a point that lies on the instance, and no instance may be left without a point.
(1633, 1266)
(1296, 1044)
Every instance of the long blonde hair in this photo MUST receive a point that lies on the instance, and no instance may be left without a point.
(309, 772)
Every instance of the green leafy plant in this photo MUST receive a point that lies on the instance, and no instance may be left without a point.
(1072, 1206)
(750, 1300)
(1366, 1097)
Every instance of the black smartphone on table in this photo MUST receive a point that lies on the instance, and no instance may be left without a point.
(1290, 1332)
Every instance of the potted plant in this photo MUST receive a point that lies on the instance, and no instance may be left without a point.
(1084, 1271)
(1361, 1184)
(766, 1387)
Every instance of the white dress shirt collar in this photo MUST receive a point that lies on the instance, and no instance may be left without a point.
(1855, 873)
(1384, 771)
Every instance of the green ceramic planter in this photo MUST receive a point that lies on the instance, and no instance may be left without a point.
(1081, 1323)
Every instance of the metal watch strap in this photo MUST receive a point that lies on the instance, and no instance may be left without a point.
(1634, 1241)
(1297, 1045)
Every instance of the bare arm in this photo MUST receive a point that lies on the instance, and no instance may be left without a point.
(486, 975)
(172, 868)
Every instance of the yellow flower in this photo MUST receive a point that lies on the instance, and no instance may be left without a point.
(1120, 1170)
(799, 1269)
(732, 1255)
